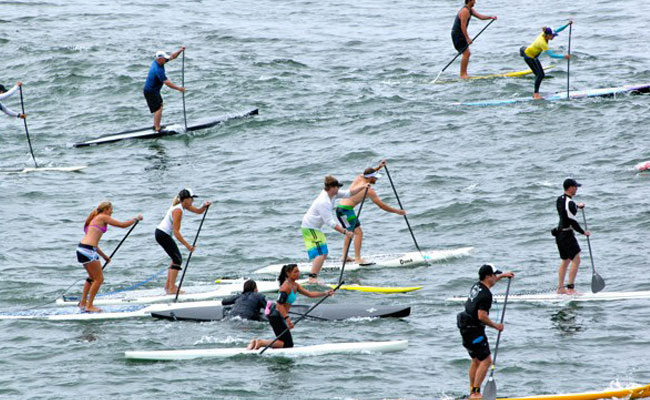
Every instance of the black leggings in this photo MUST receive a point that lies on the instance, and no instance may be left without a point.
(535, 66)
(170, 247)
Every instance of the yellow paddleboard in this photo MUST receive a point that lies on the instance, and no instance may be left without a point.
(514, 74)
(637, 392)
(378, 289)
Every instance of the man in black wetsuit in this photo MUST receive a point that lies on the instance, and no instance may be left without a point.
(472, 322)
(567, 244)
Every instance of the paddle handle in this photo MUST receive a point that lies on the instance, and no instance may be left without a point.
(183, 85)
(122, 241)
(503, 313)
(347, 248)
(189, 257)
(29, 141)
(568, 65)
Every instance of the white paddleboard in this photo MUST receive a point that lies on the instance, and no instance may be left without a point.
(565, 298)
(45, 169)
(316, 350)
(382, 261)
(73, 313)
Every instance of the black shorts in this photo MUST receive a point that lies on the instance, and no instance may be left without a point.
(154, 100)
(476, 342)
(460, 43)
(279, 325)
(170, 247)
(567, 245)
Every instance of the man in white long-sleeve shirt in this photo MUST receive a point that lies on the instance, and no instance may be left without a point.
(319, 214)
(6, 94)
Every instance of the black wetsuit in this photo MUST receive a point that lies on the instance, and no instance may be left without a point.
(246, 305)
(471, 328)
(457, 37)
(567, 244)
(535, 65)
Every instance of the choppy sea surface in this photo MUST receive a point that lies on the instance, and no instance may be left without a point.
(339, 85)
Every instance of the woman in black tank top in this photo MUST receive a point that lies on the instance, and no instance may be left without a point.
(460, 36)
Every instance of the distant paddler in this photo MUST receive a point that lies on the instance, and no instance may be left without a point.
(472, 322)
(88, 251)
(278, 313)
(155, 80)
(540, 45)
(565, 239)
(319, 214)
(172, 224)
(345, 209)
(460, 36)
(4, 94)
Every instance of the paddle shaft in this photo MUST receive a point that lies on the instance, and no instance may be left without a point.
(402, 208)
(122, 241)
(189, 257)
(461, 52)
(503, 313)
(568, 65)
(591, 256)
(300, 318)
(347, 248)
(22, 107)
(183, 85)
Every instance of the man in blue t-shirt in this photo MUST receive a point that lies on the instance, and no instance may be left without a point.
(155, 79)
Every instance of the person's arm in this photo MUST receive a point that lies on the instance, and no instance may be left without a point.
(553, 54)
(175, 54)
(359, 189)
(10, 92)
(381, 165)
(199, 210)
(373, 196)
(227, 301)
(281, 304)
(307, 293)
(481, 16)
(508, 274)
(9, 112)
(484, 317)
(103, 255)
(572, 211)
(169, 83)
(560, 29)
(177, 216)
(113, 222)
(464, 17)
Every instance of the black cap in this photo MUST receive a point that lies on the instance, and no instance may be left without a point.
(486, 270)
(186, 194)
(569, 182)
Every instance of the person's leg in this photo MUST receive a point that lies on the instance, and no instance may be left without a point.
(575, 263)
(94, 269)
(539, 77)
(358, 241)
(464, 62)
(472, 371)
(84, 293)
(481, 372)
(316, 265)
(157, 117)
(561, 273)
(346, 243)
(259, 343)
(172, 274)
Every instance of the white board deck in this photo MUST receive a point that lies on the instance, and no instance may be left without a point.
(45, 169)
(565, 298)
(393, 260)
(316, 350)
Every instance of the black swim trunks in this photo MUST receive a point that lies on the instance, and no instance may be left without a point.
(476, 342)
(154, 100)
(567, 245)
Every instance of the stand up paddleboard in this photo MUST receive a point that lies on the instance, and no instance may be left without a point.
(514, 74)
(382, 261)
(577, 94)
(166, 130)
(317, 350)
(565, 298)
(636, 392)
(44, 169)
(324, 312)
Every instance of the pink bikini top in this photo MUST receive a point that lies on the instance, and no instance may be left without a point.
(103, 229)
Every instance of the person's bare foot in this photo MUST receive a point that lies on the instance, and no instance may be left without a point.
(252, 345)
(537, 96)
(561, 290)
(475, 396)
(174, 290)
(81, 305)
(350, 259)
(360, 261)
(92, 309)
(572, 291)
(464, 77)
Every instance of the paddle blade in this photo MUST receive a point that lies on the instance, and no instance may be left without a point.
(597, 283)
(490, 389)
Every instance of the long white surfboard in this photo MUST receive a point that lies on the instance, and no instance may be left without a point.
(316, 350)
(45, 169)
(393, 260)
(73, 313)
(565, 298)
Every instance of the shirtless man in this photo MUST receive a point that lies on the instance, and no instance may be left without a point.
(345, 209)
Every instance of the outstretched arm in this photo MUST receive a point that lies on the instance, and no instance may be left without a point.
(373, 196)
(8, 111)
(481, 16)
(175, 54)
(10, 92)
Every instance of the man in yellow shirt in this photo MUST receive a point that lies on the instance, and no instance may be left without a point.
(540, 45)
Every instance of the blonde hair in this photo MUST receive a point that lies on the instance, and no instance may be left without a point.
(104, 205)
(176, 201)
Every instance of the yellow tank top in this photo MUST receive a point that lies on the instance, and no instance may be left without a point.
(539, 45)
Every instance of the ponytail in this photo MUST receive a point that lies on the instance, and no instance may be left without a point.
(176, 201)
(286, 269)
(104, 205)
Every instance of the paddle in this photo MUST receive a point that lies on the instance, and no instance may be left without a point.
(461, 52)
(189, 257)
(22, 106)
(405, 218)
(597, 282)
(568, 65)
(302, 316)
(347, 248)
(183, 85)
(490, 389)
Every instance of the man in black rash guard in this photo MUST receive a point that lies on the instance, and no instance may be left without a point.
(460, 36)
(472, 322)
(567, 244)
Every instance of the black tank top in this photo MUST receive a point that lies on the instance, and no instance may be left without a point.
(456, 28)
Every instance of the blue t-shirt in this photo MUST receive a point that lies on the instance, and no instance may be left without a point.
(155, 78)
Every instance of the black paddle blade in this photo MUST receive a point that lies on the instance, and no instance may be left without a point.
(597, 283)
(490, 389)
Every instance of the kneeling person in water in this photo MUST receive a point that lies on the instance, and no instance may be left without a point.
(278, 314)
(472, 322)
(248, 304)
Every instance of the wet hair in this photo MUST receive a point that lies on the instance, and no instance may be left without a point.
(286, 270)
(104, 205)
(249, 286)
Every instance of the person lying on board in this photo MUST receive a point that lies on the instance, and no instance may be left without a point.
(345, 208)
(88, 250)
(4, 94)
(460, 36)
(278, 313)
(540, 45)
(246, 305)
(155, 80)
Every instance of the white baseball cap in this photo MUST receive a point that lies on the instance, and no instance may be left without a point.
(162, 54)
